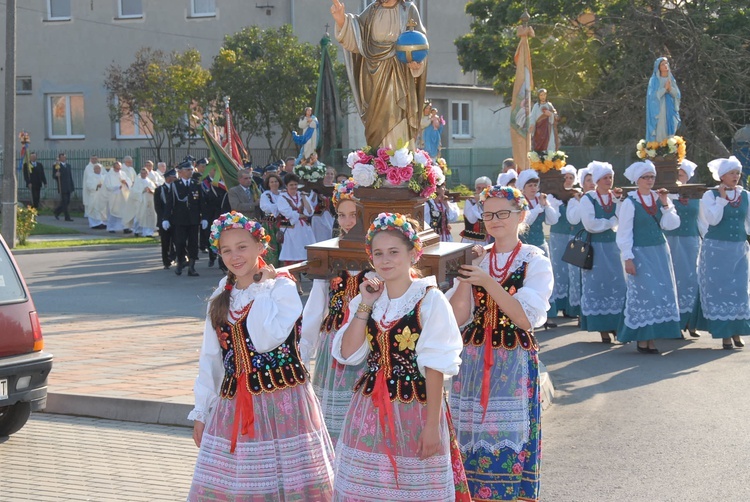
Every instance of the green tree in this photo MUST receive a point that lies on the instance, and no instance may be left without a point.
(164, 91)
(270, 77)
(596, 57)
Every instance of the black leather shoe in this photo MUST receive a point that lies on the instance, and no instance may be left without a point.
(653, 351)
(695, 334)
(178, 270)
(605, 337)
(727, 346)
(68, 219)
(166, 267)
(738, 342)
(211, 263)
(192, 272)
(643, 350)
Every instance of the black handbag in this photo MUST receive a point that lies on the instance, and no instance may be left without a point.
(579, 252)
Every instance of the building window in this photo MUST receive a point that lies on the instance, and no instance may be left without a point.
(130, 9)
(202, 8)
(58, 10)
(65, 116)
(461, 119)
(23, 85)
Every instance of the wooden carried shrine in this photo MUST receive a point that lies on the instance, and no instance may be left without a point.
(327, 258)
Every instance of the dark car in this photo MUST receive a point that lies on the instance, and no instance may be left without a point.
(24, 366)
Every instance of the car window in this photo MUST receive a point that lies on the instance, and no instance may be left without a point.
(11, 289)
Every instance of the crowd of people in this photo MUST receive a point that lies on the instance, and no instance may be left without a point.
(374, 421)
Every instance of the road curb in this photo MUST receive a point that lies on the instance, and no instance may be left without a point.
(113, 408)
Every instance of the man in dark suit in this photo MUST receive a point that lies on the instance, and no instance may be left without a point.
(33, 175)
(64, 176)
(161, 195)
(184, 210)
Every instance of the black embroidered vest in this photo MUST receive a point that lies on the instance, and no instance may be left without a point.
(343, 288)
(487, 314)
(265, 371)
(394, 352)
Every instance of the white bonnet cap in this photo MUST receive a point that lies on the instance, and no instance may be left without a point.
(638, 169)
(504, 178)
(720, 167)
(525, 176)
(689, 167)
(599, 170)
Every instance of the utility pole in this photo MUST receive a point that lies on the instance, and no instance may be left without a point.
(9, 193)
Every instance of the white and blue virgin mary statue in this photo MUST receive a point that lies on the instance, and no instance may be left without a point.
(662, 103)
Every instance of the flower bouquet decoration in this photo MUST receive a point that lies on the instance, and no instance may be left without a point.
(545, 160)
(673, 146)
(399, 167)
(310, 173)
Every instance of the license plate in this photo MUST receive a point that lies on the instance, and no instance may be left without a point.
(3, 389)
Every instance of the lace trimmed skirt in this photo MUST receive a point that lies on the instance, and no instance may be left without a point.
(289, 458)
(333, 383)
(364, 471)
(724, 280)
(603, 289)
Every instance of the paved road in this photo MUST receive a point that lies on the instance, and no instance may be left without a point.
(624, 427)
(58, 458)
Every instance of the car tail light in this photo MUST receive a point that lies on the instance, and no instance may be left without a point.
(36, 331)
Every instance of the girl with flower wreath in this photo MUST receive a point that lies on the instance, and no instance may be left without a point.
(603, 287)
(497, 302)
(325, 312)
(395, 443)
(651, 310)
(256, 419)
(723, 264)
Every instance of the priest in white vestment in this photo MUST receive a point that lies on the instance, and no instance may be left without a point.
(143, 193)
(96, 200)
(117, 186)
(87, 172)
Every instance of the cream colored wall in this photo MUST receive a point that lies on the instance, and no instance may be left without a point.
(72, 56)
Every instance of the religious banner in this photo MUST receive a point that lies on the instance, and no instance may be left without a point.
(520, 108)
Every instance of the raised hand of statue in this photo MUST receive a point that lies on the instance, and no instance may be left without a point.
(413, 65)
(339, 13)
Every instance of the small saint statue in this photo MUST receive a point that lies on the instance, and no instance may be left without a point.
(543, 121)
(662, 103)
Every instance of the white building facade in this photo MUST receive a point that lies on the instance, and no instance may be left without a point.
(65, 46)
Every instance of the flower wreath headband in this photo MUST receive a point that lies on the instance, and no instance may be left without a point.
(510, 193)
(344, 191)
(395, 222)
(237, 220)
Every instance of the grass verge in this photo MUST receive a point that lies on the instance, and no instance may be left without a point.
(129, 241)
(44, 229)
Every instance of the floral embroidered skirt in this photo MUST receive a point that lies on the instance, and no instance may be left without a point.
(502, 447)
(724, 279)
(364, 456)
(333, 383)
(289, 458)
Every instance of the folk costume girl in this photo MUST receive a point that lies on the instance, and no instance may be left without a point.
(473, 232)
(257, 422)
(651, 309)
(271, 220)
(723, 270)
(439, 213)
(395, 441)
(602, 287)
(495, 396)
(559, 236)
(574, 217)
(295, 207)
(684, 246)
(325, 311)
